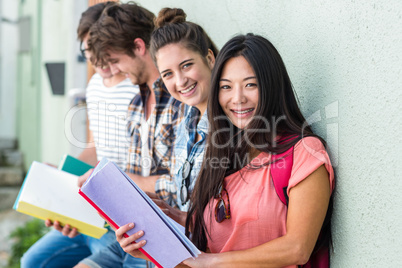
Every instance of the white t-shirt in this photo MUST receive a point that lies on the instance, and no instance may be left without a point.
(146, 157)
(107, 114)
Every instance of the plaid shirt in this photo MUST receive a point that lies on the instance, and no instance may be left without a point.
(167, 114)
(186, 148)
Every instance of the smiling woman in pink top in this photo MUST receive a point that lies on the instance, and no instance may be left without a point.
(236, 216)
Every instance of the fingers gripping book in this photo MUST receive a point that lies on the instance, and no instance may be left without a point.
(117, 198)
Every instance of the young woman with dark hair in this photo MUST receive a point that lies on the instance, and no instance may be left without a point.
(235, 214)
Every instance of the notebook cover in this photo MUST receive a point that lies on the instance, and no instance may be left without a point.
(73, 165)
(112, 193)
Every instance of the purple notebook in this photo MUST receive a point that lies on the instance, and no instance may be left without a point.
(121, 201)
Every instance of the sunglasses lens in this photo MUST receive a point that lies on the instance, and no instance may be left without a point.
(183, 194)
(220, 211)
(185, 172)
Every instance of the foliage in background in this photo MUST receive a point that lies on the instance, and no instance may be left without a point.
(24, 237)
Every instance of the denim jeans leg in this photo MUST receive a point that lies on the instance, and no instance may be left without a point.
(131, 262)
(95, 245)
(55, 250)
(110, 257)
(113, 257)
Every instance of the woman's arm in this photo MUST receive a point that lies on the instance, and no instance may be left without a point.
(308, 203)
(174, 213)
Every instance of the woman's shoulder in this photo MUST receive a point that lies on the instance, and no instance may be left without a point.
(309, 154)
(309, 142)
(309, 146)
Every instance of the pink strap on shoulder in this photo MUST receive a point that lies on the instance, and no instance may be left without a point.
(281, 169)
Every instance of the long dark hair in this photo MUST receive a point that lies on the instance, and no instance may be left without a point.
(277, 114)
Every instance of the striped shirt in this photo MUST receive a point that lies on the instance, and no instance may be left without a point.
(107, 114)
(167, 114)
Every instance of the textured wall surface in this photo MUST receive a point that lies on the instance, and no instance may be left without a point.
(345, 61)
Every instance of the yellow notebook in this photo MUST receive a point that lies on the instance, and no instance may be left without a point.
(49, 193)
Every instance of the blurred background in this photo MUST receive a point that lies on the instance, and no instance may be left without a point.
(344, 59)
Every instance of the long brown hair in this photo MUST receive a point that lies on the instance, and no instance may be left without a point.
(277, 114)
(171, 27)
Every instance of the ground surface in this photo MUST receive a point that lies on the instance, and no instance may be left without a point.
(9, 220)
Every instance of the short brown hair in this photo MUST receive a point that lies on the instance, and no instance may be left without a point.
(117, 29)
(89, 17)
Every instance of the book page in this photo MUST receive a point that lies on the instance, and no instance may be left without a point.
(55, 190)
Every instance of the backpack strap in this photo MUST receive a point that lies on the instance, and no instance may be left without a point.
(281, 169)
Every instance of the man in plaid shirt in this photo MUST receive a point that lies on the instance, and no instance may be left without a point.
(120, 39)
(153, 114)
(151, 171)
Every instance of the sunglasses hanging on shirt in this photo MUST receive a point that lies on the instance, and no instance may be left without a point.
(222, 209)
(185, 182)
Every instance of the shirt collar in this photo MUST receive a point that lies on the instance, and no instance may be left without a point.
(159, 88)
(202, 125)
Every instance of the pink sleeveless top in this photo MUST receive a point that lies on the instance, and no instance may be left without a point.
(257, 214)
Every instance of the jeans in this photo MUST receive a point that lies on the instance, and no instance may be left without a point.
(57, 250)
(113, 257)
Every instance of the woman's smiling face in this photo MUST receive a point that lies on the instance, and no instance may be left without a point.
(238, 91)
(186, 74)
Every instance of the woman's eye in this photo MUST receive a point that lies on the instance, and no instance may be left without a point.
(185, 66)
(167, 74)
(251, 85)
(224, 87)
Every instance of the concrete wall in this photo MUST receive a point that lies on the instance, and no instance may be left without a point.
(344, 58)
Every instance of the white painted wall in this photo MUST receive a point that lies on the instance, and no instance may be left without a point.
(59, 44)
(345, 61)
(78, 78)
(8, 67)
